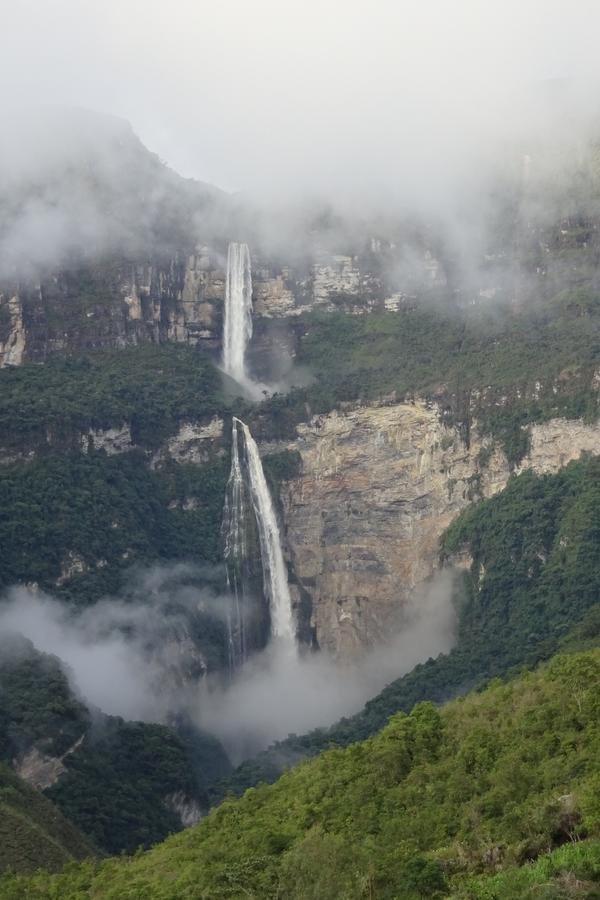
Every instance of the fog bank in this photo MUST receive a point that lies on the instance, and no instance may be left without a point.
(132, 655)
(138, 656)
(278, 692)
(343, 98)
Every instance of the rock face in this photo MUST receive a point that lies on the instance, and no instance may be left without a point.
(194, 443)
(112, 304)
(40, 770)
(111, 440)
(378, 487)
(119, 302)
(558, 442)
(12, 331)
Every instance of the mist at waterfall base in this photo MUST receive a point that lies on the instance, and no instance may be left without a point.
(284, 376)
(133, 655)
(277, 693)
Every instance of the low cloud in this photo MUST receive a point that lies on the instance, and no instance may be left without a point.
(279, 692)
(133, 656)
(138, 656)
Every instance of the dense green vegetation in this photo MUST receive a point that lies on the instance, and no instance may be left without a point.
(501, 366)
(103, 513)
(534, 550)
(282, 466)
(150, 388)
(118, 774)
(37, 706)
(33, 833)
(115, 789)
(535, 574)
(489, 782)
(571, 872)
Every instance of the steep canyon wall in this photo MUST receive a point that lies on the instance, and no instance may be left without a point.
(116, 303)
(378, 487)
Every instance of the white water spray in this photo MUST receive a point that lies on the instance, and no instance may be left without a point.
(245, 461)
(274, 569)
(235, 551)
(237, 325)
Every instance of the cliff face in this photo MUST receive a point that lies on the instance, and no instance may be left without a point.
(110, 305)
(178, 296)
(378, 487)
(116, 303)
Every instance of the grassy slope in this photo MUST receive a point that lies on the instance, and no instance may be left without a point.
(33, 833)
(572, 871)
(492, 780)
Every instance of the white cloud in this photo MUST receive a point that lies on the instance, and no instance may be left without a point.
(136, 657)
(270, 95)
(277, 692)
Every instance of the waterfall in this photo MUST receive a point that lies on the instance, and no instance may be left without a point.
(247, 471)
(237, 326)
(274, 569)
(234, 533)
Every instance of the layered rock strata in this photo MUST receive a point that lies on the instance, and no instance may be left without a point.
(378, 487)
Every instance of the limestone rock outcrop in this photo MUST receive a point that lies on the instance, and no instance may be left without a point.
(40, 770)
(378, 487)
(194, 443)
(12, 331)
(113, 303)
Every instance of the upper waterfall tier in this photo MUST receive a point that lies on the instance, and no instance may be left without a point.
(237, 325)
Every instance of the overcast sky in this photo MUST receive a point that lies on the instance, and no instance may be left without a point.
(278, 92)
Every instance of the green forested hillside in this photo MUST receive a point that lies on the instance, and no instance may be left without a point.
(36, 701)
(489, 782)
(107, 512)
(150, 388)
(502, 366)
(117, 775)
(33, 833)
(115, 790)
(535, 575)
